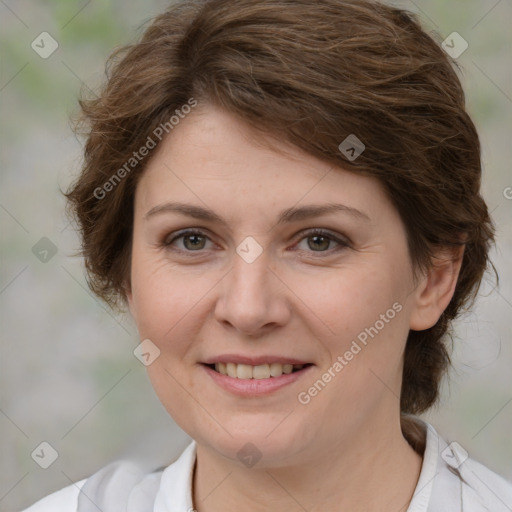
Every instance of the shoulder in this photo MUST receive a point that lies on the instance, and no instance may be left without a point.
(450, 477)
(124, 485)
(484, 488)
(64, 500)
(106, 490)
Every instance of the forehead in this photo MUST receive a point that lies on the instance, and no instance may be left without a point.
(214, 157)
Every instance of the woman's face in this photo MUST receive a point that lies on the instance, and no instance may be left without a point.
(227, 268)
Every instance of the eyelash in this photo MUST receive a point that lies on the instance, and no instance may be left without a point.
(343, 244)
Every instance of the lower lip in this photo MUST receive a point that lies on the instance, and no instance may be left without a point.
(254, 387)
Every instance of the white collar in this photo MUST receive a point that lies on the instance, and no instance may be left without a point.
(449, 480)
(434, 474)
(175, 493)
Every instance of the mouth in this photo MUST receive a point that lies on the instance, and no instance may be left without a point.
(256, 372)
(263, 379)
(255, 376)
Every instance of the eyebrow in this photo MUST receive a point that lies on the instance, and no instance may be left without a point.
(288, 215)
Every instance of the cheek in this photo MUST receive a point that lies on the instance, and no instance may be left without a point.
(365, 311)
(162, 299)
(367, 329)
(166, 301)
(349, 300)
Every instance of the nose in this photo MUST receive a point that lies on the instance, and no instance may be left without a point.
(253, 299)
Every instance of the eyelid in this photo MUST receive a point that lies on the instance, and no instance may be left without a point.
(169, 239)
(342, 241)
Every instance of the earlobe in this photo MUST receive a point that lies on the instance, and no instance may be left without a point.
(435, 291)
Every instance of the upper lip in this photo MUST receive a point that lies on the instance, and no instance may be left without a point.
(253, 361)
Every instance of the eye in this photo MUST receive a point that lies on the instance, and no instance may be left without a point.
(319, 240)
(192, 240)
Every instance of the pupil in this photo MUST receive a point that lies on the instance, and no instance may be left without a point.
(317, 237)
(195, 243)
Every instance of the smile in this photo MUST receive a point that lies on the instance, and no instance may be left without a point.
(255, 380)
(261, 371)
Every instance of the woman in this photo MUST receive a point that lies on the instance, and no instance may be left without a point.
(285, 194)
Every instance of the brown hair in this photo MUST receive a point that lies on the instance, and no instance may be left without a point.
(311, 72)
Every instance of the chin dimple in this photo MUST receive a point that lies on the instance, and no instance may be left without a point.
(261, 371)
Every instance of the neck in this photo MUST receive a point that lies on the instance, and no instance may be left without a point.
(374, 471)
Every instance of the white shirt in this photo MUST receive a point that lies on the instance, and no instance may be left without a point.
(449, 481)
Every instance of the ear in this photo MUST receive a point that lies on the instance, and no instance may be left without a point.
(436, 288)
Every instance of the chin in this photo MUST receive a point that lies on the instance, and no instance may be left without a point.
(265, 443)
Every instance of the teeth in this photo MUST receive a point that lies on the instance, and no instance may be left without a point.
(262, 371)
(230, 369)
(244, 371)
(276, 369)
(287, 368)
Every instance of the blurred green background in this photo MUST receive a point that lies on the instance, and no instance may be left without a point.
(68, 375)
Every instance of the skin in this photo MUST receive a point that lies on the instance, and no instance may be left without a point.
(302, 297)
